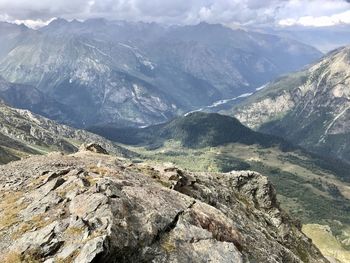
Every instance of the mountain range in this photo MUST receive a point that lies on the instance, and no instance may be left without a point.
(99, 71)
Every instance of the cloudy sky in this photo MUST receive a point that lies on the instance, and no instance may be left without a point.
(285, 13)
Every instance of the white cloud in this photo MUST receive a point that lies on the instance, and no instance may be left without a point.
(243, 12)
(320, 21)
(33, 23)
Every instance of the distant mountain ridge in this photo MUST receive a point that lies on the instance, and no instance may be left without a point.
(323, 38)
(101, 71)
(310, 108)
(195, 130)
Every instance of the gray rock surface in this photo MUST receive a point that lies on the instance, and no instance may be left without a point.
(90, 207)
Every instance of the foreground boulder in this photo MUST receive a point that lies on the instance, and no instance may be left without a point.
(93, 147)
(91, 207)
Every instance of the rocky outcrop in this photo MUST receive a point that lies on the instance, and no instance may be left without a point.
(90, 207)
(93, 147)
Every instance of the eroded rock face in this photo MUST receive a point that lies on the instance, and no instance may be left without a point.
(91, 207)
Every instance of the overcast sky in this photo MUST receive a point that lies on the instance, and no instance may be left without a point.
(231, 12)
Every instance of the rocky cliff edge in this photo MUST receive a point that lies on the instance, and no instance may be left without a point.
(93, 207)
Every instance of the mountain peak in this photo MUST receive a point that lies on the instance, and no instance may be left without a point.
(58, 22)
(9, 26)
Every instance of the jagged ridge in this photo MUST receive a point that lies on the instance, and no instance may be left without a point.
(23, 133)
